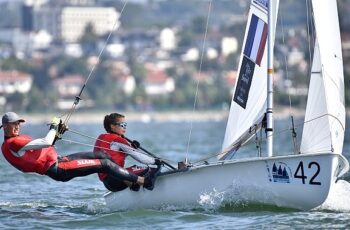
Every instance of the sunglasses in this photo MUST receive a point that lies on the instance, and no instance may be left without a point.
(120, 124)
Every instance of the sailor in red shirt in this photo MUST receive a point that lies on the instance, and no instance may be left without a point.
(117, 147)
(39, 156)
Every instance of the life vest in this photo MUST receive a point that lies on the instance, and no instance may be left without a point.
(37, 160)
(103, 143)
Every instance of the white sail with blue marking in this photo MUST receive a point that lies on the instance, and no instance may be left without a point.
(249, 99)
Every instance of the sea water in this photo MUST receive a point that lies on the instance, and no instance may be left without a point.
(30, 201)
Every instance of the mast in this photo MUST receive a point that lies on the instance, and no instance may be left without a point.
(269, 113)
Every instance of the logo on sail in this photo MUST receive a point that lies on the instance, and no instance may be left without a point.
(262, 3)
(280, 173)
(244, 82)
(252, 55)
(256, 40)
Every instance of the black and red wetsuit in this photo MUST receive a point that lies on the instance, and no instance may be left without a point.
(104, 143)
(39, 156)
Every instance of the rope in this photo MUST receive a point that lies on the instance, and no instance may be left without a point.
(310, 36)
(308, 8)
(96, 139)
(285, 62)
(277, 133)
(90, 145)
(78, 97)
(197, 83)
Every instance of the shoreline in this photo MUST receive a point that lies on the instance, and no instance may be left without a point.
(153, 116)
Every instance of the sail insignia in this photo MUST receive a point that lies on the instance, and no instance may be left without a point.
(250, 92)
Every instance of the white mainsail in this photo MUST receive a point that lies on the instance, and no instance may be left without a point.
(249, 100)
(325, 112)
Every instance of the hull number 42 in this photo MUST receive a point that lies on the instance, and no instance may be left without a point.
(300, 173)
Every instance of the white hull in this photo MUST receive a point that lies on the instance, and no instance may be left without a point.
(304, 184)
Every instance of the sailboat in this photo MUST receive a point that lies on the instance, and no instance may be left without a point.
(300, 180)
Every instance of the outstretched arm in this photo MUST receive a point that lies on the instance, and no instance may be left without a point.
(47, 141)
(41, 142)
(140, 157)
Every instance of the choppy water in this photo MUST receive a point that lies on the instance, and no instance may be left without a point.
(29, 201)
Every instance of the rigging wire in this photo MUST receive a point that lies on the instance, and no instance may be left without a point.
(309, 35)
(294, 134)
(64, 125)
(311, 120)
(285, 62)
(311, 38)
(197, 83)
(95, 139)
(308, 9)
(277, 133)
(78, 97)
(90, 145)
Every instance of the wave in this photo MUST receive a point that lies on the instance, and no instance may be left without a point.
(338, 198)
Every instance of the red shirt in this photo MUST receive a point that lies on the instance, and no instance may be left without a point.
(37, 160)
(103, 143)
